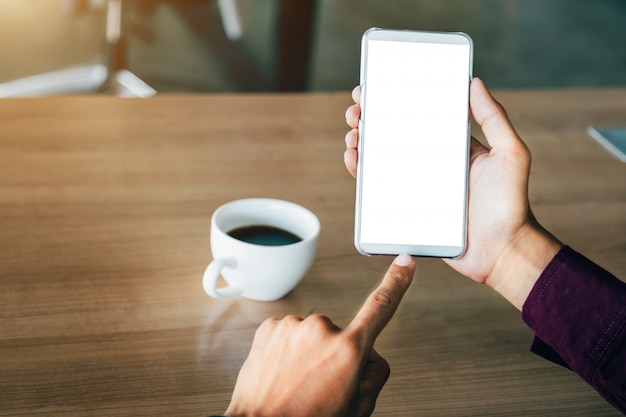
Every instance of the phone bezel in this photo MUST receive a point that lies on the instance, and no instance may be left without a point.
(390, 248)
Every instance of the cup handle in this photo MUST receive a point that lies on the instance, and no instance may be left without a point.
(212, 272)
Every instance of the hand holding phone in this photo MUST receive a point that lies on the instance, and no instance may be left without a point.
(413, 161)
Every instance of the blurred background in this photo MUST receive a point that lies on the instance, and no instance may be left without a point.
(299, 45)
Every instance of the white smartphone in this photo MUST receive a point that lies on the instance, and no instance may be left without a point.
(414, 136)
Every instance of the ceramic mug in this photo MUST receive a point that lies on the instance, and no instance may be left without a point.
(262, 247)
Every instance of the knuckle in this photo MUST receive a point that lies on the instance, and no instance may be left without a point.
(318, 318)
(403, 279)
(383, 299)
(267, 326)
(291, 319)
(320, 323)
(270, 322)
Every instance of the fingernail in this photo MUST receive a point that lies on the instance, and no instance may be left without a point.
(403, 260)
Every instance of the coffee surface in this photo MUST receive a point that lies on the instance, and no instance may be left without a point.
(264, 235)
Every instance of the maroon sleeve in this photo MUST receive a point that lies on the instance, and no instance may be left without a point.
(577, 311)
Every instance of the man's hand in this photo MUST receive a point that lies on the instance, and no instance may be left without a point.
(506, 248)
(310, 367)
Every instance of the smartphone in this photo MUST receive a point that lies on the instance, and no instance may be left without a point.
(414, 136)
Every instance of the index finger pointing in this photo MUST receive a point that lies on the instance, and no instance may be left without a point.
(382, 303)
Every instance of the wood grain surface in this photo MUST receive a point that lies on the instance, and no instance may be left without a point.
(105, 206)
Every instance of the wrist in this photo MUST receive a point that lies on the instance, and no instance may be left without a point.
(521, 263)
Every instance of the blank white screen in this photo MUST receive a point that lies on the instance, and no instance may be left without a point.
(415, 143)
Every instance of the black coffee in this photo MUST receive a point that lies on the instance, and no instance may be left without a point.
(264, 235)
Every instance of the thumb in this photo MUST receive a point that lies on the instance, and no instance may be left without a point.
(373, 377)
(492, 117)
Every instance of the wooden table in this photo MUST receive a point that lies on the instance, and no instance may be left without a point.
(105, 206)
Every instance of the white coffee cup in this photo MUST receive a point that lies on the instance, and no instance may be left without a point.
(263, 271)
